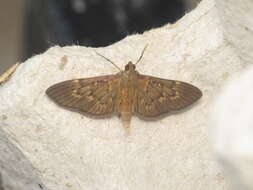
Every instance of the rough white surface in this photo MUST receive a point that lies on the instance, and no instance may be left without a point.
(16, 172)
(232, 131)
(74, 152)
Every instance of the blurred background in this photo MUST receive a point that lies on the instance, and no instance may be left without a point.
(29, 27)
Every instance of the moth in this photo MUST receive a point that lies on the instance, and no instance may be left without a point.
(126, 93)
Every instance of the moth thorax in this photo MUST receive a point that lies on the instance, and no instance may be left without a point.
(130, 66)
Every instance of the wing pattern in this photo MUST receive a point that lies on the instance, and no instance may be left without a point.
(94, 96)
(157, 96)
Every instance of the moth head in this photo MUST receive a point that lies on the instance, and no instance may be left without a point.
(130, 66)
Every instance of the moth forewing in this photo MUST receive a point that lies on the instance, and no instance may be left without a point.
(92, 96)
(157, 96)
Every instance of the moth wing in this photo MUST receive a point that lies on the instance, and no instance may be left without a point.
(94, 96)
(156, 96)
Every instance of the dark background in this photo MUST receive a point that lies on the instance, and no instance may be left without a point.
(29, 27)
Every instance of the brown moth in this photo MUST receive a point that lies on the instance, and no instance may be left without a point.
(124, 93)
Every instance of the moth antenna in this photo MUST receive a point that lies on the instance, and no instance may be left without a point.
(109, 61)
(142, 53)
